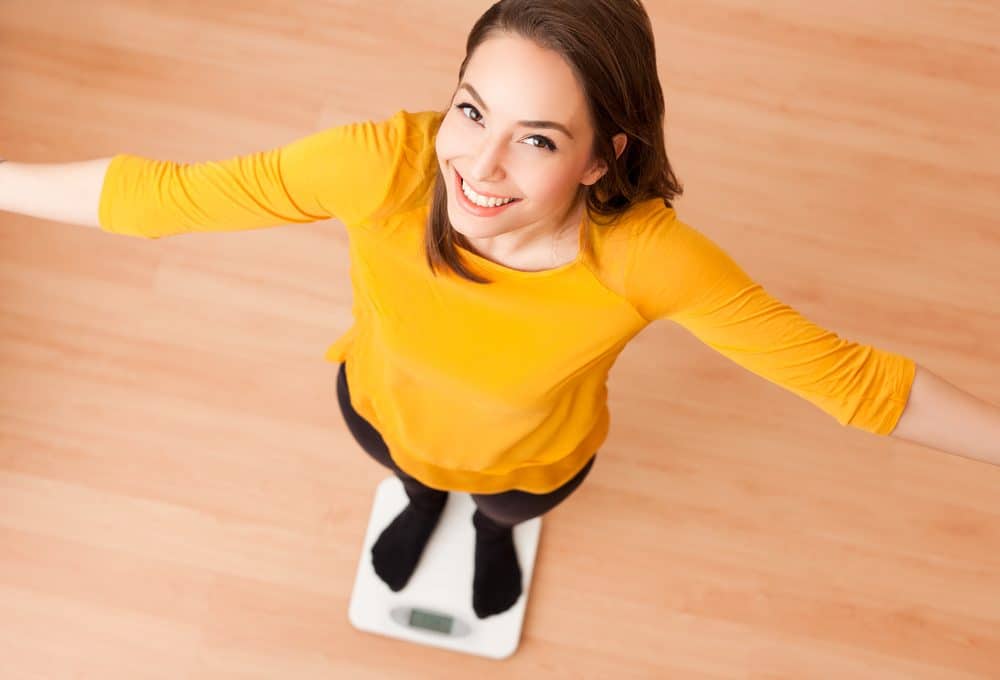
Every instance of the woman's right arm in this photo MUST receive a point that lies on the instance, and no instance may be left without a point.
(64, 192)
(349, 172)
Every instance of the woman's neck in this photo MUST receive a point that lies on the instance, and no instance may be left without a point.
(538, 244)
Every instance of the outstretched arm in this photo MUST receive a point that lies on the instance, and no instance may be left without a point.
(64, 192)
(943, 417)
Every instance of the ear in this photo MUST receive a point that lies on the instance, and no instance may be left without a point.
(619, 141)
(599, 168)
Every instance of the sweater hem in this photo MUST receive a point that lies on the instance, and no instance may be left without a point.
(536, 479)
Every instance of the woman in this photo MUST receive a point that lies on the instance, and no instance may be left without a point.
(504, 251)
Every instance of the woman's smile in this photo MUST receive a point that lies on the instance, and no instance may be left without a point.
(463, 191)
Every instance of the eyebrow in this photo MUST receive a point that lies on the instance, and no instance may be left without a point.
(526, 123)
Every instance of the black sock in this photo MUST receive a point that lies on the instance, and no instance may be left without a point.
(397, 551)
(496, 585)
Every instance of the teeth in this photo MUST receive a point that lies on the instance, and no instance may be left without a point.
(481, 200)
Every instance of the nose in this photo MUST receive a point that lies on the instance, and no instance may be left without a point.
(488, 164)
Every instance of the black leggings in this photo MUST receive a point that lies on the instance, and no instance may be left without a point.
(506, 509)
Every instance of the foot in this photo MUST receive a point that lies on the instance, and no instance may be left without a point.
(398, 549)
(496, 586)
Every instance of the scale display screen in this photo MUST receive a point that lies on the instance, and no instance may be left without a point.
(420, 618)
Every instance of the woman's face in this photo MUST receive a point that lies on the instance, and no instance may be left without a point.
(517, 127)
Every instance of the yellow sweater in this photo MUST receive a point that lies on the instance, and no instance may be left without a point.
(488, 388)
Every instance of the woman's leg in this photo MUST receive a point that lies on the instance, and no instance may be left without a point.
(513, 507)
(497, 581)
(371, 441)
(398, 549)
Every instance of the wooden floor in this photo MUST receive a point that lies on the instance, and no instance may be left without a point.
(180, 498)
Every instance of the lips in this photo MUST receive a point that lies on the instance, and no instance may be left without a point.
(482, 193)
(478, 210)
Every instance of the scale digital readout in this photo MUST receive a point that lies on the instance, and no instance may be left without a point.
(433, 621)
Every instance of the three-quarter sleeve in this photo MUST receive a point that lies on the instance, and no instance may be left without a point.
(345, 172)
(678, 273)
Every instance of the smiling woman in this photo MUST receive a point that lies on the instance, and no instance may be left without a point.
(594, 89)
(498, 155)
(500, 390)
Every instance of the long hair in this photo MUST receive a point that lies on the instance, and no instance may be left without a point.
(608, 44)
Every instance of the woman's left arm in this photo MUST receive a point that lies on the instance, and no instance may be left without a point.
(941, 416)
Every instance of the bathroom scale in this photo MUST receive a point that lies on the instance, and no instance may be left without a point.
(435, 607)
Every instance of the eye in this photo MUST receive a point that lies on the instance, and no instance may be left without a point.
(545, 142)
(469, 107)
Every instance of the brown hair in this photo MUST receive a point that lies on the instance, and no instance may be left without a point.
(609, 46)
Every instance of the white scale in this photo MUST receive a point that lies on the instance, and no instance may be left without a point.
(435, 607)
